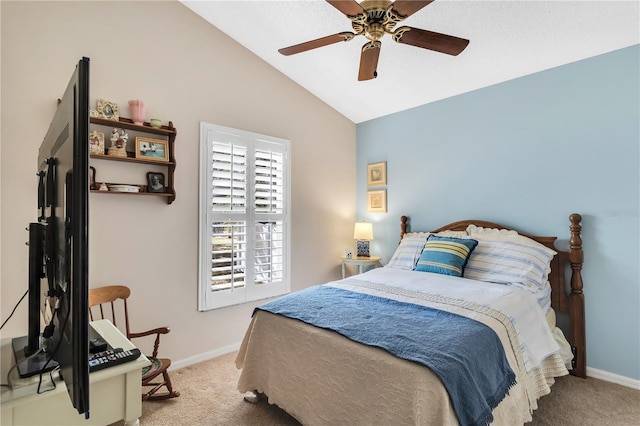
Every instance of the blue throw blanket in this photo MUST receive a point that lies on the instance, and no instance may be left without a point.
(465, 354)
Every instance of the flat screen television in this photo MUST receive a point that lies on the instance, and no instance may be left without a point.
(59, 248)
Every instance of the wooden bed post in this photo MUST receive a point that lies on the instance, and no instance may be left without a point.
(403, 226)
(576, 298)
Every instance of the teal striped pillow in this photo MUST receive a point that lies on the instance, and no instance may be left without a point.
(443, 255)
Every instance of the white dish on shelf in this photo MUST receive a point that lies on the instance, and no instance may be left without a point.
(124, 188)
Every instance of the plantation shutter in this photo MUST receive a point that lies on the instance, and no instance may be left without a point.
(245, 237)
(269, 201)
(229, 177)
(269, 181)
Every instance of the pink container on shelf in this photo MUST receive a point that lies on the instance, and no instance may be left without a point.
(137, 109)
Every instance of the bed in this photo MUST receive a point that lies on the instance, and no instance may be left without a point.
(413, 343)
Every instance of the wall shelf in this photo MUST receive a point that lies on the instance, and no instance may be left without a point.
(169, 132)
(131, 159)
(156, 194)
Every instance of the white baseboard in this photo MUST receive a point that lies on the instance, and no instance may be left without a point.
(175, 365)
(613, 378)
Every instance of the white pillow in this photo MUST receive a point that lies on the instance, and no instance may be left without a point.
(479, 231)
(506, 257)
(494, 234)
(408, 252)
(453, 234)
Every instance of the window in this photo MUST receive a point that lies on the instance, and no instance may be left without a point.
(244, 217)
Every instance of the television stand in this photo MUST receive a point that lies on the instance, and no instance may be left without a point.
(115, 392)
(28, 364)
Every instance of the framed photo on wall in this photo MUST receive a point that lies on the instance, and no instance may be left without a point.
(377, 174)
(152, 149)
(377, 201)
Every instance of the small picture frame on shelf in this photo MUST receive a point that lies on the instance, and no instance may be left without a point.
(377, 201)
(108, 110)
(348, 253)
(377, 174)
(155, 182)
(152, 149)
(96, 142)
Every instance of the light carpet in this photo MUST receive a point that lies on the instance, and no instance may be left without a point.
(208, 396)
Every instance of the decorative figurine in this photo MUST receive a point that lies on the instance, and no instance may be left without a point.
(118, 143)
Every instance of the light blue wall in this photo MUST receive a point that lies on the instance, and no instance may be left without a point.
(527, 153)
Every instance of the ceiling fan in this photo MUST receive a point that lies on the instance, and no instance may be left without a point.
(374, 19)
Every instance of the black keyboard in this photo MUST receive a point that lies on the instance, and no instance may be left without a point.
(111, 358)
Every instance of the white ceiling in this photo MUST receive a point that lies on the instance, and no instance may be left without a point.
(508, 39)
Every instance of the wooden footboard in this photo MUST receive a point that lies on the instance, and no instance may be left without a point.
(571, 302)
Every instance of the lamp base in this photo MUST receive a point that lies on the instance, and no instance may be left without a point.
(362, 248)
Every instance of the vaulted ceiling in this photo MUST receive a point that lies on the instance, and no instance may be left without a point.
(508, 39)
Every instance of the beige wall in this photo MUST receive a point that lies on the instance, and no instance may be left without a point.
(186, 71)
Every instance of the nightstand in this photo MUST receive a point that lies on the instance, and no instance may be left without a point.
(360, 262)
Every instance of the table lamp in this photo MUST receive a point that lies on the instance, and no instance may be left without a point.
(363, 233)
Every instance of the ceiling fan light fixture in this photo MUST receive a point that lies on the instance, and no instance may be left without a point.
(374, 32)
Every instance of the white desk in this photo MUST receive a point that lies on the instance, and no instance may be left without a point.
(115, 393)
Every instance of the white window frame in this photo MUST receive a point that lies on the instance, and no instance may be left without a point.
(207, 298)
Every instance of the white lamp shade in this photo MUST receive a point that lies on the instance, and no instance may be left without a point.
(363, 231)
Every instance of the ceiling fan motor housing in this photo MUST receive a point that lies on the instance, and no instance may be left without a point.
(376, 21)
(375, 5)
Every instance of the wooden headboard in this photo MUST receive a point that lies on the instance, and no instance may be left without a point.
(571, 301)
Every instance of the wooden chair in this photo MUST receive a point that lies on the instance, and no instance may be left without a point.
(155, 376)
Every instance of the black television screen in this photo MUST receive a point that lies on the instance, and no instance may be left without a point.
(63, 201)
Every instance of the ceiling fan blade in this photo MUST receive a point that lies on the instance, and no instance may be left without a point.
(406, 8)
(369, 60)
(350, 8)
(429, 40)
(313, 44)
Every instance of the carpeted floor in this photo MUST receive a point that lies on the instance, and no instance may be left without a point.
(209, 397)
